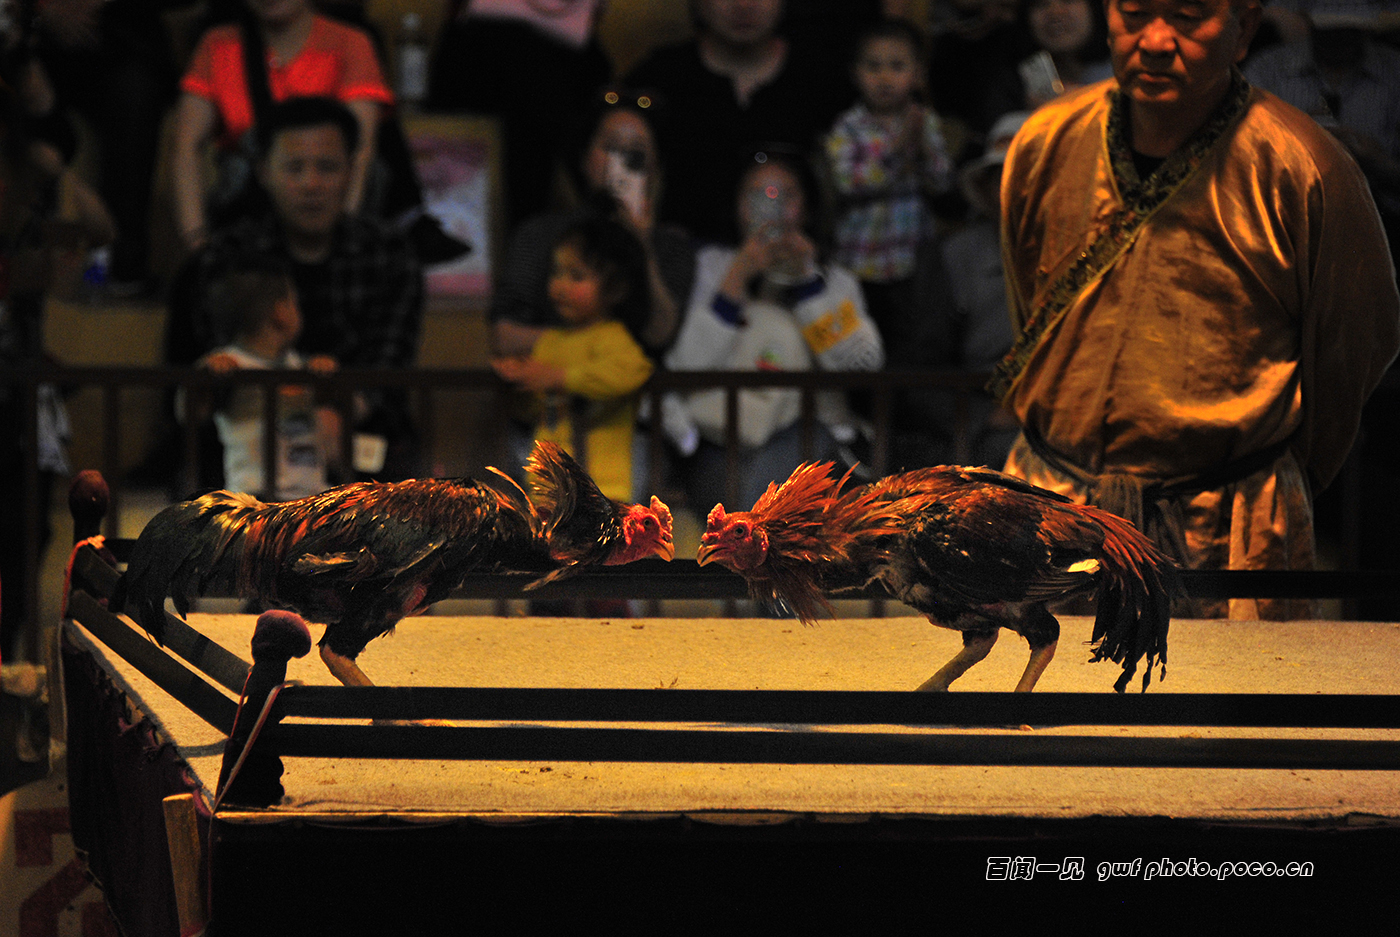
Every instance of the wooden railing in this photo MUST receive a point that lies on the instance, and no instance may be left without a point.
(424, 384)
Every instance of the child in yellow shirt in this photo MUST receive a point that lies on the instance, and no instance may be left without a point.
(585, 375)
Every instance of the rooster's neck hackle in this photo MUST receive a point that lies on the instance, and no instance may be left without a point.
(795, 514)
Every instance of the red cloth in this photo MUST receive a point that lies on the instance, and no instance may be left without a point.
(336, 61)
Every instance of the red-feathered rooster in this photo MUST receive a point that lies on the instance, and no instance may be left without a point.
(360, 557)
(973, 549)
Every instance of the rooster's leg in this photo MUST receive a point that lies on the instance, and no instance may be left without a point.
(1040, 659)
(1042, 632)
(344, 668)
(976, 645)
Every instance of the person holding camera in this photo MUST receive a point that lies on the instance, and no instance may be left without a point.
(771, 304)
(1071, 39)
(615, 173)
(739, 80)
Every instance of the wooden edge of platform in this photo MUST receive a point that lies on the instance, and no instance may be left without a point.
(739, 746)
(844, 707)
(94, 576)
(154, 662)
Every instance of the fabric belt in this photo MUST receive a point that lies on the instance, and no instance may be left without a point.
(1153, 504)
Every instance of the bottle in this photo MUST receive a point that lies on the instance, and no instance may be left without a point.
(95, 272)
(413, 62)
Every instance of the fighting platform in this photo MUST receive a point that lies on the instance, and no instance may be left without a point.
(651, 774)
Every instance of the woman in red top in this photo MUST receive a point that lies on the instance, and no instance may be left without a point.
(307, 54)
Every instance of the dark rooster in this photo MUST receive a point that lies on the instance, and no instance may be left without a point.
(360, 557)
(973, 549)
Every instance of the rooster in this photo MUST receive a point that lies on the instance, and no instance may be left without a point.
(973, 549)
(360, 557)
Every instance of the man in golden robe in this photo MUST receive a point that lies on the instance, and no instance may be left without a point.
(1203, 295)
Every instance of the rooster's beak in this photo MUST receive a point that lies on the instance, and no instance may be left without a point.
(706, 553)
(665, 548)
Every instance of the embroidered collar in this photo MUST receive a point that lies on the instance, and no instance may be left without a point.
(1141, 200)
(1180, 164)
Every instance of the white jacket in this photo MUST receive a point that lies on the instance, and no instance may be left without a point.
(821, 322)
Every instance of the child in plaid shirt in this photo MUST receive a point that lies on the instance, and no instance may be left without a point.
(883, 156)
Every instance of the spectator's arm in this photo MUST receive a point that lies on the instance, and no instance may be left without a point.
(366, 114)
(840, 333)
(934, 162)
(710, 330)
(195, 119)
(616, 368)
(665, 316)
(512, 339)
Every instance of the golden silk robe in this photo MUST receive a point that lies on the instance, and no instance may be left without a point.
(1240, 299)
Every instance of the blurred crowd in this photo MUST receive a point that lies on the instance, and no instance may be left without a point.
(811, 185)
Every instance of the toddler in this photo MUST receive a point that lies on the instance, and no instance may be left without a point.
(261, 302)
(584, 376)
(884, 155)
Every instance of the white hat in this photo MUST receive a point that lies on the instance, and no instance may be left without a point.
(998, 141)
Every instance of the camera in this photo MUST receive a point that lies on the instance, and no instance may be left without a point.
(627, 179)
(767, 209)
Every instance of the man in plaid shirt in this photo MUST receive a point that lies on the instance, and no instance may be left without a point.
(359, 287)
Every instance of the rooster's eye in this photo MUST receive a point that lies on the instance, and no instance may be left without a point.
(741, 531)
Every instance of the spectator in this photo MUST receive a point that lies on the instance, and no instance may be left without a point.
(34, 243)
(962, 290)
(585, 375)
(976, 48)
(736, 83)
(771, 304)
(393, 191)
(531, 65)
(1071, 40)
(883, 156)
(305, 55)
(261, 300)
(359, 287)
(1350, 83)
(111, 63)
(615, 169)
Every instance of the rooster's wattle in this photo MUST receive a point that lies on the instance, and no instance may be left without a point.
(973, 549)
(360, 557)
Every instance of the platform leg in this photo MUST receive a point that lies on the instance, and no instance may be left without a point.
(186, 862)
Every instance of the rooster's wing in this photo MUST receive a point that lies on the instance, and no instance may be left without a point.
(976, 537)
(376, 535)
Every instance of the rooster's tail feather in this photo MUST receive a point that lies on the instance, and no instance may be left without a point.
(184, 550)
(1134, 600)
(578, 521)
